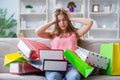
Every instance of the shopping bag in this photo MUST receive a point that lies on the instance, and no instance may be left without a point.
(92, 58)
(78, 63)
(112, 51)
(13, 57)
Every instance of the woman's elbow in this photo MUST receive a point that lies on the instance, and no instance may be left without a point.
(90, 23)
(37, 32)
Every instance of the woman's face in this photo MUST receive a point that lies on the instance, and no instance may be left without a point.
(62, 22)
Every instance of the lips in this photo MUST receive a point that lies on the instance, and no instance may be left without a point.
(63, 27)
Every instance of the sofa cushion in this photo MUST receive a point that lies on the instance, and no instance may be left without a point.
(94, 44)
(6, 46)
(2, 67)
(102, 77)
(7, 76)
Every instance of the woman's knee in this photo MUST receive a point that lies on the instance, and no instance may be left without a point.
(73, 75)
(53, 76)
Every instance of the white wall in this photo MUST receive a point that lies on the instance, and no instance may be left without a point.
(11, 5)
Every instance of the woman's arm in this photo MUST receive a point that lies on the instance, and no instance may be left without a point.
(87, 24)
(41, 31)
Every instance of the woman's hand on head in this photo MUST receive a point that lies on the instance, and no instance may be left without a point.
(68, 13)
(53, 18)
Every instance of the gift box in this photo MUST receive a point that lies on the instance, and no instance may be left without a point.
(51, 54)
(54, 65)
(22, 68)
(30, 48)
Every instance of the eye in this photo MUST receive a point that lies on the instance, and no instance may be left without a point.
(58, 20)
(64, 20)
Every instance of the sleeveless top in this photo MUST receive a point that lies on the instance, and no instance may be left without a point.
(64, 41)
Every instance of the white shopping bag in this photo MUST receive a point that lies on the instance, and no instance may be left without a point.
(92, 58)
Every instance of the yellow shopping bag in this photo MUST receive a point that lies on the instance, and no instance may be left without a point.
(112, 51)
(13, 57)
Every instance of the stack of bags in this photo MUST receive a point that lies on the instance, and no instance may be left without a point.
(86, 61)
(18, 64)
(34, 57)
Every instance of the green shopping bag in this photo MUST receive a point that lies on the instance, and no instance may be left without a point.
(112, 51)
(78, 63)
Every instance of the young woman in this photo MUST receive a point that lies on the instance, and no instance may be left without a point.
(64, 36)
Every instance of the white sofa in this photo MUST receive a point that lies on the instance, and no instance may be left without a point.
(8, 45)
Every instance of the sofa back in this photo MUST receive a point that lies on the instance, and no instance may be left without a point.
(94, 44)
(9, 45)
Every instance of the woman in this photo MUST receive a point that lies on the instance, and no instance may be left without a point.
(64, 36)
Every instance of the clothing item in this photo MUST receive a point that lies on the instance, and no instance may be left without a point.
(53, 75)
(71, 74)
(65, 41)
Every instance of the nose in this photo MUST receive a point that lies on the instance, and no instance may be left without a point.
(62, 22)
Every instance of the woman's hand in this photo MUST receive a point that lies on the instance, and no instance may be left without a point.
(68, 13)
(53, 18)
